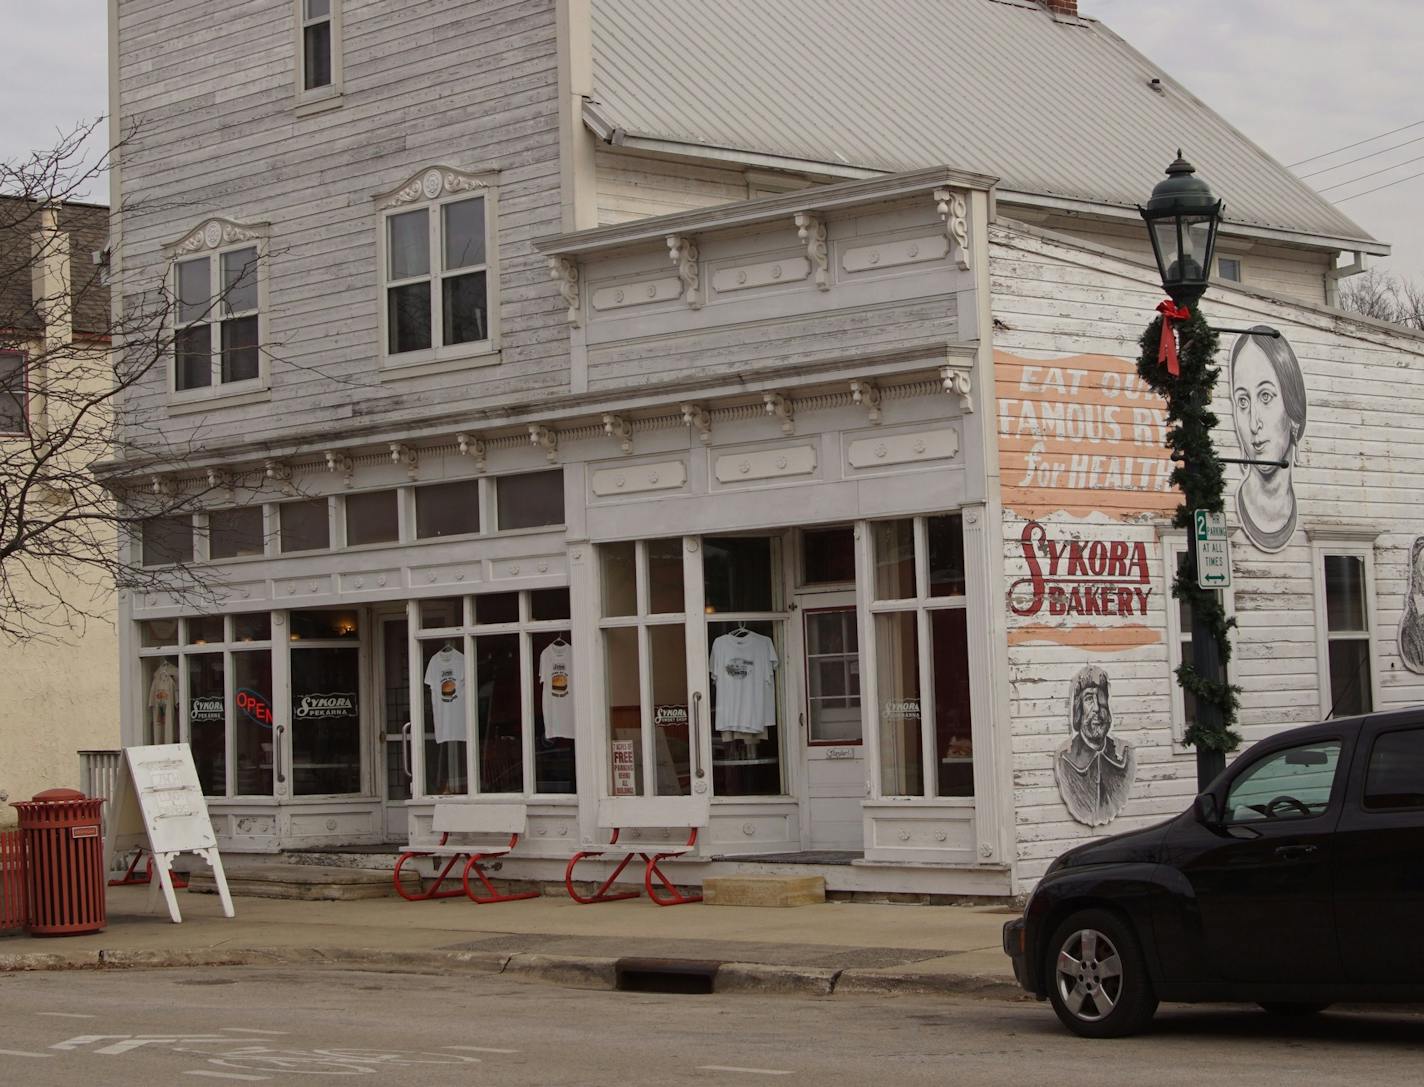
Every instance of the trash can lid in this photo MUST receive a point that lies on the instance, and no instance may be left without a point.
(54, 796)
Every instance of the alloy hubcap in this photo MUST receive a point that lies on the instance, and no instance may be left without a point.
(1089, 975)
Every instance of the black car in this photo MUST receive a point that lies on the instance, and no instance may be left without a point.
(1295, 881)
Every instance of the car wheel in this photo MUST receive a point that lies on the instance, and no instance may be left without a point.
(1283, 1008)
(1097, 978)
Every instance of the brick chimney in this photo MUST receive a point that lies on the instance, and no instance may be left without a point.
(1061, 7)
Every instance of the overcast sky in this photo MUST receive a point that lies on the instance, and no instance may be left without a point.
(1301, 77)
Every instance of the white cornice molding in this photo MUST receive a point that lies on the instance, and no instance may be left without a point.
(435, 182)
(215, 233)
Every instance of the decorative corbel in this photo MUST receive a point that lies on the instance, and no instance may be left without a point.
(779, 407)
(620, 430)
(958, 382)
(867, 394)
(163, 486)
(545, 439)
(472, 447)
(565, 272)
(954, 210)
(404, 455)
(811, 229)
(340, 462)
(277, 471)
(683, 251)
(218, 480)
(695, 417)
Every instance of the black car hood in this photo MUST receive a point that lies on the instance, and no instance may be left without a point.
(1133, 847)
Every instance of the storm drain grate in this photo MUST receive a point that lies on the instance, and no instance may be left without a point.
(683, 976)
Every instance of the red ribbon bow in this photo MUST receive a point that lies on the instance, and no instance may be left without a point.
(1167, 347)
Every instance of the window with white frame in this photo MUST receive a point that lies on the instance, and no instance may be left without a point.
(14, 413)
(919, 613)
(166, 541)
(1228, 269)
(318, 48)
(1179, 637)
(437, 270)
(1345, 614)
(218, 321)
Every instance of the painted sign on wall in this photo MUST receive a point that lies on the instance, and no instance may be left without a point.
(1075, 577)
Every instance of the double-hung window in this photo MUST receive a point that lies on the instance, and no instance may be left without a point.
(438, 276)
(217, 310)
(1345, 615)
(318, 51)
(14, 414)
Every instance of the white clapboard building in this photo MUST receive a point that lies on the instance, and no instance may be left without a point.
(606, 398)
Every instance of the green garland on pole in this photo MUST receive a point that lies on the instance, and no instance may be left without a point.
(1198, 475)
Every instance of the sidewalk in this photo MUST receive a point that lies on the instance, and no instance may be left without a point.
(822, 949)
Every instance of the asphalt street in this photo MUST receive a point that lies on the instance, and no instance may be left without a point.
(253, 1025)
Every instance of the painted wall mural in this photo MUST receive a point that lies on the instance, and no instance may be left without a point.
(1093, 770)
(1080, 577)
(1411, 624)
(1268, 406)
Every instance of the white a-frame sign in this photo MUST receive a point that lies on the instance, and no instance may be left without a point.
(158, 805)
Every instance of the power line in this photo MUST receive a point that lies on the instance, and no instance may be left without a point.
(1377, 188)
(1357, 143)
(1351, 162)
(1372, 173)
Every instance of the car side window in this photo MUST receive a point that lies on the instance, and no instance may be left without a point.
(1290, 784)
(1395, 778)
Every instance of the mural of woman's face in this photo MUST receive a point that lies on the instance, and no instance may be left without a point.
(1262, 426)
(1417, 582)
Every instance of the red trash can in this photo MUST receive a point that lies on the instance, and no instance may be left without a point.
(64, 862)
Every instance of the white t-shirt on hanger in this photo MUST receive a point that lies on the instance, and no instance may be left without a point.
(445, 676)
(556, 672)
(743, 665)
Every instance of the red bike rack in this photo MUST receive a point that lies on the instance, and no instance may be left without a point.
(475, 855)
(652, 868)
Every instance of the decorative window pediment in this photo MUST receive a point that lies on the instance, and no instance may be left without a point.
(435, 183)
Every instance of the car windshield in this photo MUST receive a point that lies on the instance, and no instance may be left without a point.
(1290, 784)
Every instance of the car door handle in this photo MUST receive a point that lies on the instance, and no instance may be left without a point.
(1295, 852)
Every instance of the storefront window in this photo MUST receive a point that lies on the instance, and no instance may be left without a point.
(442, 666)
(620, 585)
(493, 609)
(737, 574)
(166, 541)
(158, 632)
(532, 500)
(549, 604)
(555, 692)
(625, 711)
(235, 533)
(251, 717)
(160, 708)
(665, 576)
(326, 721)
(744, 663)
(207, 720)
(667, 647)
(372, 518)
(325, 625)
(499, 714)
(256, 627)
(395, 705)
(205, 630)
(447, 509)
(304, 526)
(898, 656)
(442, 613)
(828, 556)
(922, 658)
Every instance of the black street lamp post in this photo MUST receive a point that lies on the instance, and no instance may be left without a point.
(1182, 219)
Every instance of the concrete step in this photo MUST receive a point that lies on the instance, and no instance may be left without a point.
(305, 882)
(773, 891)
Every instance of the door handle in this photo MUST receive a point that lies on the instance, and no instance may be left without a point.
(1295, 852)
(277, 754)
(694, 736)
(405, 752)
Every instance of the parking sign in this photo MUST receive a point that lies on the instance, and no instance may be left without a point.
(1213, 551)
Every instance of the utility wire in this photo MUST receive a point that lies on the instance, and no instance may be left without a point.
(1372, 173)
(1351, 162)
(1357, 143)
(1377, 188)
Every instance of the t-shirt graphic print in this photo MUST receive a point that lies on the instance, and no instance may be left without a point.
(743, 666)
(445, 676)
(556, 667)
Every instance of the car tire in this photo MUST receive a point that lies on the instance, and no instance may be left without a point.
(1097, 976)
(1290, 1009)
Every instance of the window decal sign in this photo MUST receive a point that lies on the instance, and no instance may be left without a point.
(324, 707)
(669, 716)
(206, 708)
(624, 777)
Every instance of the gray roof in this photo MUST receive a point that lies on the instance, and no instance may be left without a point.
(1054, 107)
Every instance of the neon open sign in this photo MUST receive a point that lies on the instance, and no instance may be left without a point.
(255, 707)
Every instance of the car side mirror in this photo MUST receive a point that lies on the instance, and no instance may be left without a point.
(1208, 811)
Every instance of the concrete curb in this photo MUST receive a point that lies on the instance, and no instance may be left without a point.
(570, 971)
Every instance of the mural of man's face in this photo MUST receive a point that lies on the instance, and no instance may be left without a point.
(1262, 426)
(1093, 718)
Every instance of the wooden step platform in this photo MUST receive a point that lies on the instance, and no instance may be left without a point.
(304, 882)
(771, 891)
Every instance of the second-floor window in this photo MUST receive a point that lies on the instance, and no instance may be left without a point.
(317, 44)
(14, 417)
(217, 324)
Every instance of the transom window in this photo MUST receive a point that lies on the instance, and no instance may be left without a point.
(217, 327)
(437, 277)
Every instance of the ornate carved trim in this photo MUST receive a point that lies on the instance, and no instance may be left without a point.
(565, 272)
(545, 439)
(811, 229)
(684, 254)
(402, 454)
(277, 471)
(472, 447)
(620, 430)
(696, 418)
(953, 208)
(215, 233)
(958, 381)
(340, 462)
(867, 393)
(780, 407)
(434, 182)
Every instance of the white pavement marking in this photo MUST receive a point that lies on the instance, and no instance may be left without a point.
(747, 1071)
(22, 1053)
(68, 1015)
(227, 1075)
(478, 1049)
(250, 1030)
